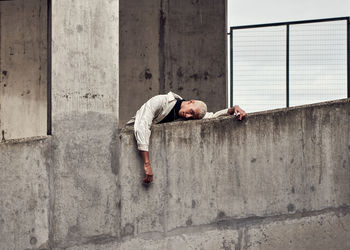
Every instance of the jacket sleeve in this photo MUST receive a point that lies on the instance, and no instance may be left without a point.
(216, 114)
(144, 118)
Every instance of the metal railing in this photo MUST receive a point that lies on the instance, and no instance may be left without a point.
(290, 63)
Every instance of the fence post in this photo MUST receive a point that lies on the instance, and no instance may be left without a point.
(287, 66)
(348, 53)
(231, 66)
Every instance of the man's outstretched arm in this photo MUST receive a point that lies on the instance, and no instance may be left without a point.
(235, 110)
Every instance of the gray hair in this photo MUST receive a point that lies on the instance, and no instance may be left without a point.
(202, 108)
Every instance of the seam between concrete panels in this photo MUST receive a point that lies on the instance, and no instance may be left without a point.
(25, 140)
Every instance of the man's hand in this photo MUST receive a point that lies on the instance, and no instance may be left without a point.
(236, 110)
(148, 171)
(147, 167)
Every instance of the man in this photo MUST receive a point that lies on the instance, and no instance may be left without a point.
(167, 108)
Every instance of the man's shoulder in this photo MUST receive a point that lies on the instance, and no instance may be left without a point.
(166, 97)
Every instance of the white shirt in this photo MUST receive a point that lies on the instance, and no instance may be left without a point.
(154, 111)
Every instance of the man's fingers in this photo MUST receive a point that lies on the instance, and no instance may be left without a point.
(148, 179)
(243, 115)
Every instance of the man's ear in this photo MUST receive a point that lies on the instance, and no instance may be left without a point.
(191, 101)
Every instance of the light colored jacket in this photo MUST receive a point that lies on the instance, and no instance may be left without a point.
(154, 111)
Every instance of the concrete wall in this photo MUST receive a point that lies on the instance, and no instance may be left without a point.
(195, 50)
(278, 180)
(139, 54)
(62, 189)
(174, 46)
(23, 67)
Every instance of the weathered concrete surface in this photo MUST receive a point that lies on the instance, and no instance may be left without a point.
(172, 45)
(271, 164)
(195, 50)
(84, 193)
(139, 54)
(204, 239)
(24, 192)
(219, 184)
(23, 68)
(326, 231)
(319, 232)
(63, 190)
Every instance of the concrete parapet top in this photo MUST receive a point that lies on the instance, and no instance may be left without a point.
(128, 129)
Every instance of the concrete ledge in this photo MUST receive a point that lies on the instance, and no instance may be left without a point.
(276, 162)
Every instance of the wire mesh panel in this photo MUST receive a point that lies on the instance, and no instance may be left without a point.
(318, 62)
(288, 64)
(258, 66)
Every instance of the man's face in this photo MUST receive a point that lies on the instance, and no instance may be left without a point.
(189, 110)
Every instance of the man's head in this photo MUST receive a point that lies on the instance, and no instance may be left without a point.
(193, 109)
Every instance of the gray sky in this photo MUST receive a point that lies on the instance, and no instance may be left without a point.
(242, 12)
(317, 71)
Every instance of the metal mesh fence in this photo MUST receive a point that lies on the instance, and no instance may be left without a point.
(288, 64)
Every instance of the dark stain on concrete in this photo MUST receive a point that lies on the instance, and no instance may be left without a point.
(119, 204)
(148, 74)
(4, 72)
(25, 93)
(33, 241)
(180, 88)
(253, 160)
(80, 28)
(320, 175)
(281, 159)
(179, 72)
(128, 230)
(91, 96)
(195, 77)
(206, 75)
(189, 222)
(293, 190)
(291, 207)
(196, 91)
(161, 53)
(313, 188)
(291, 162)
(220, 75)
(114, 148)
(221, 215)
(193, 203)
(32, 204)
